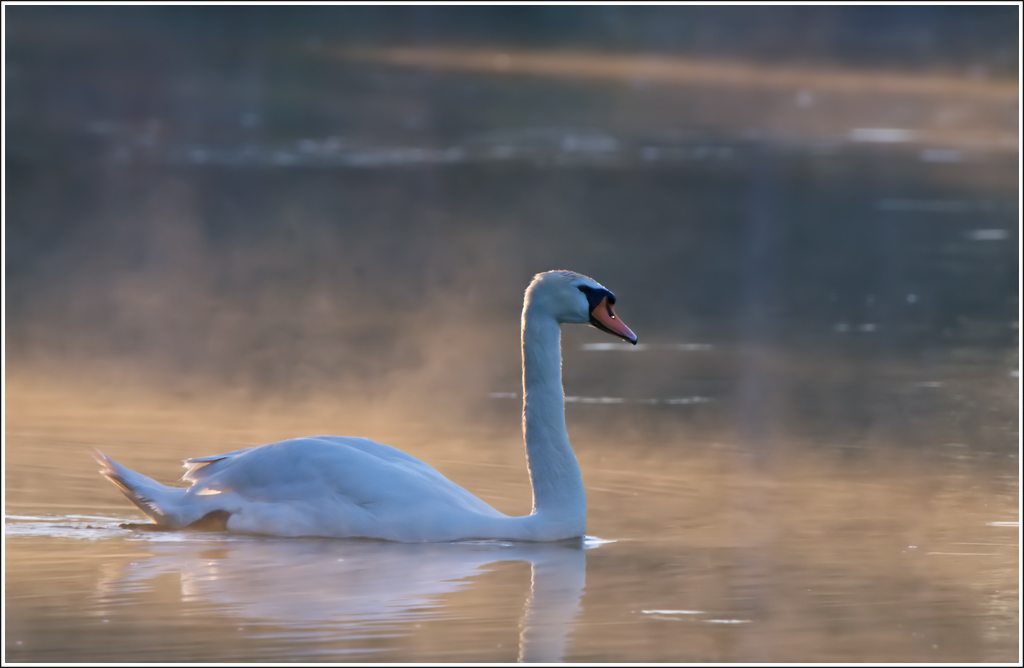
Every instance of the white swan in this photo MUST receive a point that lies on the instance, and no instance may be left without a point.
(341, 486)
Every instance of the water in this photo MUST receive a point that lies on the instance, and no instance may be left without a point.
(225, 229)
(697, 553)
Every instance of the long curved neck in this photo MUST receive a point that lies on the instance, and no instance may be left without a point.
(558, 494)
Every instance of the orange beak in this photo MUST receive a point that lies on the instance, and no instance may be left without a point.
(603, 317)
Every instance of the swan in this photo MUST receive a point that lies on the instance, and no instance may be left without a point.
(340, 486)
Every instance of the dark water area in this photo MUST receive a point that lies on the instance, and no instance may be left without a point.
(227, 226)
(255, 170)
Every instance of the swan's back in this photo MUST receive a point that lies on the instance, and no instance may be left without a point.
(329, 469)
(336, 454)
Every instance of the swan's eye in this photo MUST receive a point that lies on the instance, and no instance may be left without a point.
(595, 295)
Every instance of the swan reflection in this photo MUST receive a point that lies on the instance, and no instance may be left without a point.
(326, 588)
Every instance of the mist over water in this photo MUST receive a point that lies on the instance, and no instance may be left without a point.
(226, 227)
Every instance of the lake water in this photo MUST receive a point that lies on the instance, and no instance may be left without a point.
(225, 228)
(699, 549)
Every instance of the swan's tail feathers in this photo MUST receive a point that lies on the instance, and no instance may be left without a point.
(152, 498)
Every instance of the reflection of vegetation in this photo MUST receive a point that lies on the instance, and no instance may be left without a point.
(654, 70)
(905, 37)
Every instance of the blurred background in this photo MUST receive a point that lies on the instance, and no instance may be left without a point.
(228, 225)
(352, 199)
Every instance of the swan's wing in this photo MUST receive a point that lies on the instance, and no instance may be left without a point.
(327, 468)
(381, 451)
(198, 468)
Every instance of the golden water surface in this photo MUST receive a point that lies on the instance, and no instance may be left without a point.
(698, 550)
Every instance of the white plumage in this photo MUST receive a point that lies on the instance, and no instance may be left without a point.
(352, 487)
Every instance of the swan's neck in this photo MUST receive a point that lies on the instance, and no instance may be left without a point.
(558, 495)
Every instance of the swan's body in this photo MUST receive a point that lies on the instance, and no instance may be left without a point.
(352, 487)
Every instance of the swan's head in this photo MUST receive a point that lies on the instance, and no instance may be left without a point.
(574, 298)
